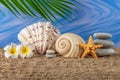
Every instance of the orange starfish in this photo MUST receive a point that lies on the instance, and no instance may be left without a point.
(90, 48)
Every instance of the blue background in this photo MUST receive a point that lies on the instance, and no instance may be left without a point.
(93, 16)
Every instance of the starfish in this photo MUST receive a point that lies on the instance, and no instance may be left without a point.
(90, 48)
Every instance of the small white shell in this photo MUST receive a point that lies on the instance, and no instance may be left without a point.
(42, 34)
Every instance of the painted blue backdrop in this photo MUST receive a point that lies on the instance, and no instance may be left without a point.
(93, 16)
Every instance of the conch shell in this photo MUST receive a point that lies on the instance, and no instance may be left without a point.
(67, 45)
(42, 35)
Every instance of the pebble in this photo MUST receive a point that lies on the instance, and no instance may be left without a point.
(105, 43)
(50, 54)
(102, 35)
(102, 38)
(105, 52)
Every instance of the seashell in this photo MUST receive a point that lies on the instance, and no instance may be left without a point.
(42, 34)
(67, 45)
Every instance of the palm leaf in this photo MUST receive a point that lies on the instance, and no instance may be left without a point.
(48, 9)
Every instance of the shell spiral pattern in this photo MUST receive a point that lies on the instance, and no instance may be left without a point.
(67, 45)
(42, 34)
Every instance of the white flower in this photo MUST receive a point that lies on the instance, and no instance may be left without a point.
(11, 51)
(25, 51)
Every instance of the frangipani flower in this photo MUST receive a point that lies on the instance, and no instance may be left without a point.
(11, 51)
(25, 51)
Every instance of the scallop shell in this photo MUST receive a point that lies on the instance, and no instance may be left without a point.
(67, 45)
(42, 35)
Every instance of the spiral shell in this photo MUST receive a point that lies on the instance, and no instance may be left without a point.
(42, 34)
(67, 45)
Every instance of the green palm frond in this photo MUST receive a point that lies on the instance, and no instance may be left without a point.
(45, 8)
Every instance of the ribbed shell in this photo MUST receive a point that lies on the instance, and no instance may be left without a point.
(42, 35)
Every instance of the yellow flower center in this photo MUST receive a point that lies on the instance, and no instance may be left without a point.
(25, 50)
(12, 50)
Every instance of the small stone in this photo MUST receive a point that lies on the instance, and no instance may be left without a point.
(105, 52)
(105, 43)
(50, 54)
(50, 51)
(102, 35)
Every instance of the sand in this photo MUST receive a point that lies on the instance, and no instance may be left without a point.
(60, 68)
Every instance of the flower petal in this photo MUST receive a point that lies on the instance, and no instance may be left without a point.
(20, 52)
(6, 47)
(14, 56)
(29, 55)
(22, 55)
(19, 48)
(7, 55)
(8, 52)
(14, 44)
